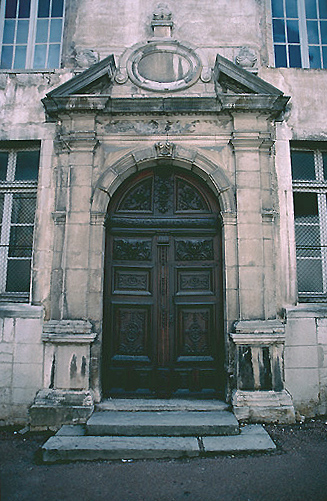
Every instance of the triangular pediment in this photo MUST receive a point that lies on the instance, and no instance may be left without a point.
(236, 89)
(94, 80)
(233, 78)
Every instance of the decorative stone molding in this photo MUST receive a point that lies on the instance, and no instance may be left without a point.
(259, 372)
(163, 65)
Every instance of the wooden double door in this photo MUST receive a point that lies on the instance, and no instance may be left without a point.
(163, 328)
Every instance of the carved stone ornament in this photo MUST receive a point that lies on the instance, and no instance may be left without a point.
(165, 149)
(84, 58)
(246, 58)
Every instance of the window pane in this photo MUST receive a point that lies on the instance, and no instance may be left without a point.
(303, 166)
(22, 32)
(314, 57)
(322, 9)
(293, 32)
(3, 165)
(309, 272)
(57, 8)
(294, 56)
(279, 30)
(40, 56)
(24, 8)
(20, 56)
(54, 56)
(323, 30)
(280, 56)
(55, 30)
(277, 8)
(307, 240)
(18, 275)
(6, 56)
(27, 165)
(21, 241)
(44, 8)
(23, 209)
(291, 8)
(305, 208)
(311, 9)
(313, 35)
(11, 8)
(42, 31)
(9, 31)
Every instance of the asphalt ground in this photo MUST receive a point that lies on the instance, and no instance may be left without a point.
(297, 470)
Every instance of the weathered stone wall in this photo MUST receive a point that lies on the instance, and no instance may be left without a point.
(21, 360)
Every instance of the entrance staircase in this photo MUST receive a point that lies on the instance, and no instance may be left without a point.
(129, 429)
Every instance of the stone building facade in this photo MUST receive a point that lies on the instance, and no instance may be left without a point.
(171, 254)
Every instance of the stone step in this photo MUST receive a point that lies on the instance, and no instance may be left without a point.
(160, 404)
(71, 444)
(162, 423)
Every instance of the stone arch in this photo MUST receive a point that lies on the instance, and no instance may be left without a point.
(188, 159)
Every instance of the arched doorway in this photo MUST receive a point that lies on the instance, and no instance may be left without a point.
(163, 313)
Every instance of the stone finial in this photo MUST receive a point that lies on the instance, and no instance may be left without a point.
(162, 13)
(162, 21)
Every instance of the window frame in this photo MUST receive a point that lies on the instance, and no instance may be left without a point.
(303, 43)
(31, 40)
(10, 187)
(317, 186)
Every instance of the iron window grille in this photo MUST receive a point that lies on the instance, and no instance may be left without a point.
(309, 172)
(31, 32)
(300, 33)
(18, 186)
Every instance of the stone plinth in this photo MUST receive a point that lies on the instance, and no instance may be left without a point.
(259, 369)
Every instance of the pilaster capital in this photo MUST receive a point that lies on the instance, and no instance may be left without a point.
(251, 141)
(78, 140)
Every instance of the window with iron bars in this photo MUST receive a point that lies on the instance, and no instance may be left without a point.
(309, 172)
(31, 33)
(18, 185)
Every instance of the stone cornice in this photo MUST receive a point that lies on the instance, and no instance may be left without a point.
(191, 105)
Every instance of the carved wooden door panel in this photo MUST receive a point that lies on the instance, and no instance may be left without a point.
(163, 300)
